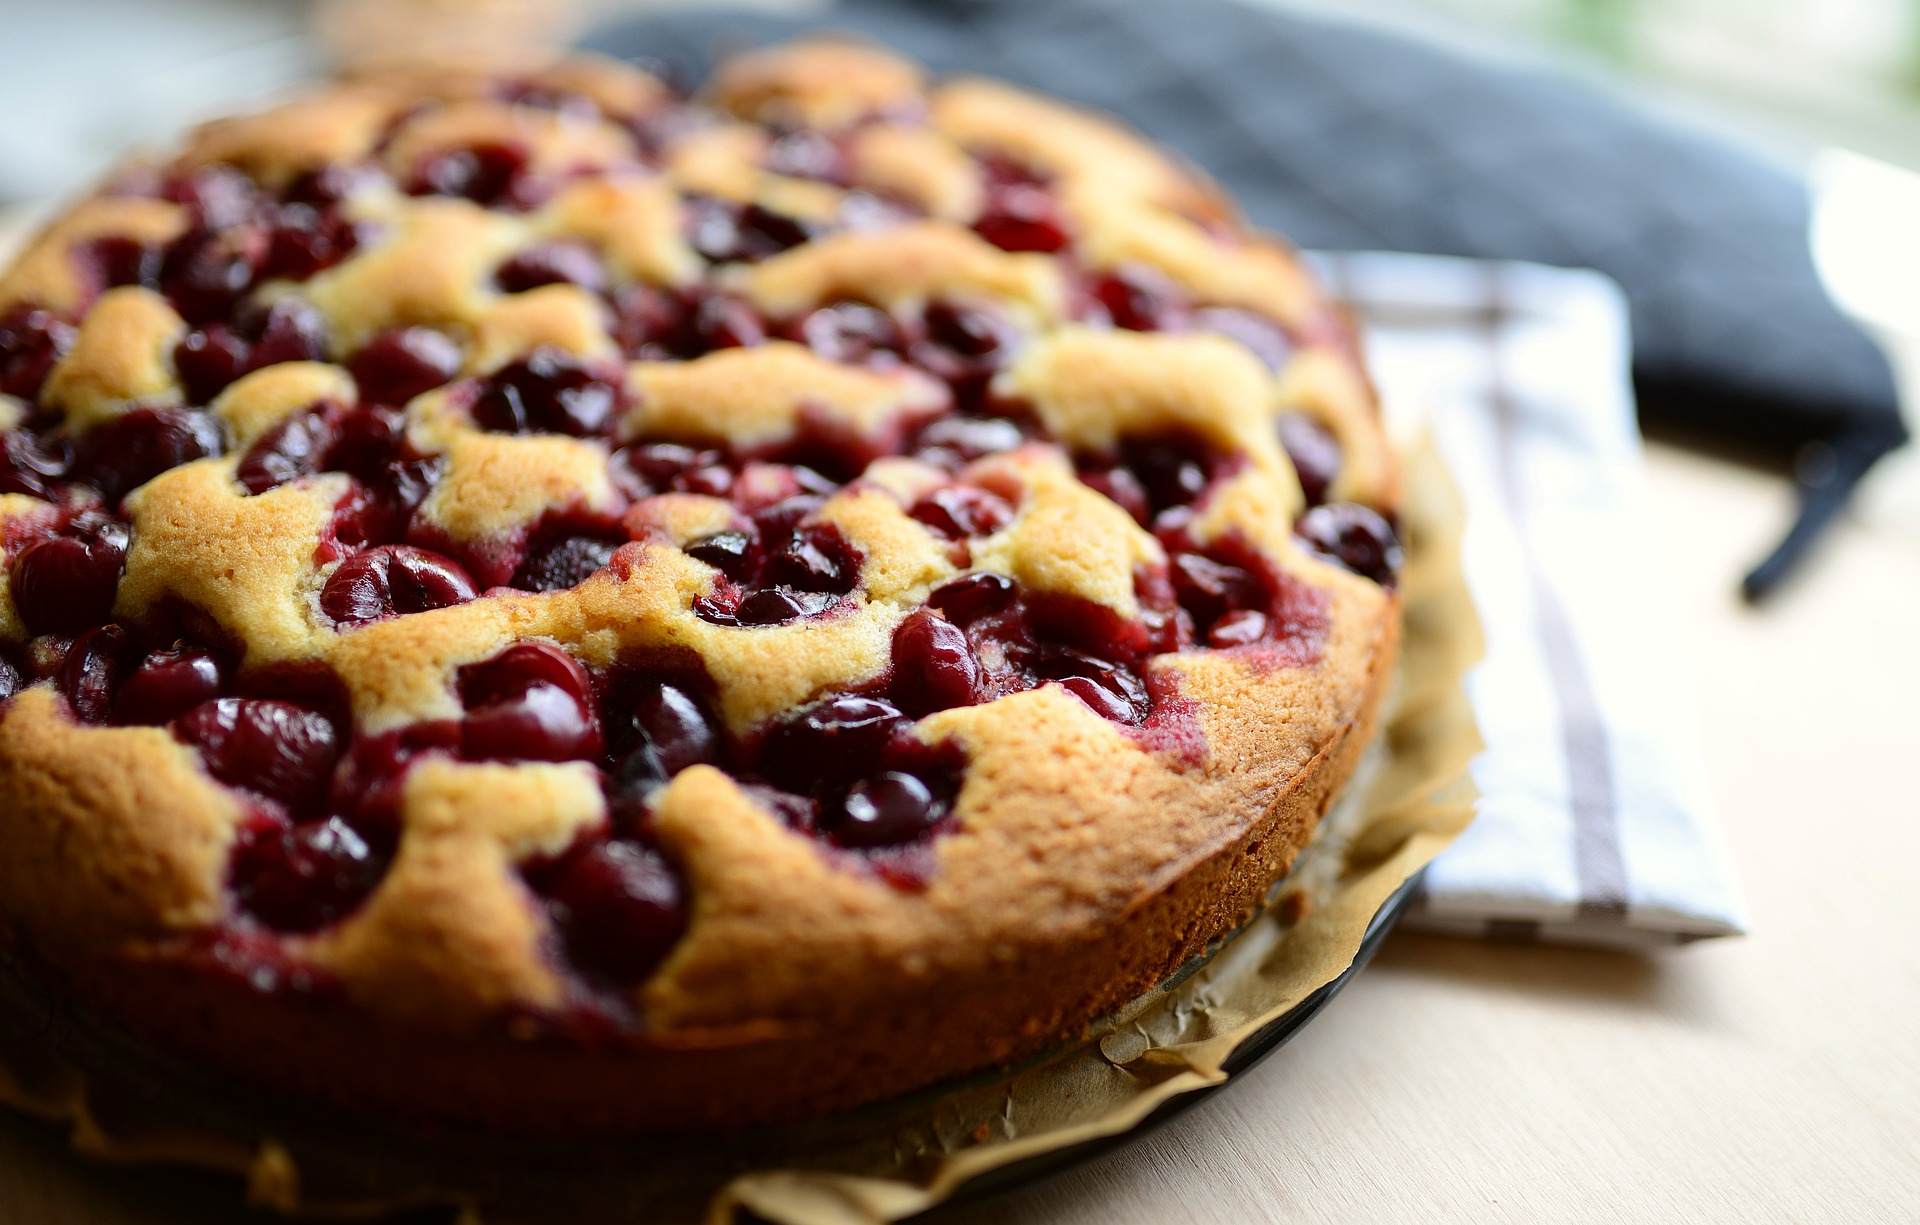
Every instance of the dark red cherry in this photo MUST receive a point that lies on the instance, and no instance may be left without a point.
(1314, 451)
(222, 196)
(1238, 628)
(489, 174)
(817, 558)
(31, 341)
(558, 262)
(965, 344)
(619, 907)
(669, 732)
(64, 585)
(648, 322)
(547, 392)
(291, 331)
(397, 366)
(1266, 339)
(888, 809)
(282, 751)
(32, 465)
(722, 321)
(1209, 590)
(731, 553)
(139, 445)
(563, 563)
(393, 578)
(1141, 299)
(1121, 487)
(208, 359)
(306, 239)
(973, 596)
(960, 511)
(91, 671)
(300, 878)
(530, 702)
(1022, 217)
(166, 685)
(777, 606)
(205, 272)
(850, 332)
(1356, 536)
(121, 260)
(725, 232)
(949, 442)
(1102, 700)
(933, 665)
(291, 449)
(658, 466)
(1173, 471)
(968, 329)
(834, 738)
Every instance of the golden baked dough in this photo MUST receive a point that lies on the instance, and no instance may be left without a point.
(537, 603)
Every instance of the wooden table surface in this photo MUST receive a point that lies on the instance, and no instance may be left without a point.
(1771, 1078)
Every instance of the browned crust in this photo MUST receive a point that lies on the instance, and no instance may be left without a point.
(753, 1074)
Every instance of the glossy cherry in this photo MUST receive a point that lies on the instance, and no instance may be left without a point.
(32, 464)
(619, 907)
(850, 333)
(1358, 537)
(548, 392)
(205, 272)
(817, 558)
(396, 366)
(835, 738)
(973, 596)
(31, 341)
(167, 684)
(961, 511)
(391, 579)
(735, 554)
(557, 262)
(725, 232)
(306, 239)
(666, 731)
(91, 671)
(887, 809)
(933, 665)
(278, 749)
(208, 359)
(1314, 451)
(1022, 217)
(64, 585)
(300, 878)
(138, 445)
(494, 175)
(531, 702)
(291, 449)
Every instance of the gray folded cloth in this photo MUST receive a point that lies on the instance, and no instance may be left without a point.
(1594, 824)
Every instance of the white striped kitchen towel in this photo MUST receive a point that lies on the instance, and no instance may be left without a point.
(1594, 824)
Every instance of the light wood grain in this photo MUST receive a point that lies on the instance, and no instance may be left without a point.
(1771, 1078)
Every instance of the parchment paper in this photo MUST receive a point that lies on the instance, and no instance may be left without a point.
(1410, 797)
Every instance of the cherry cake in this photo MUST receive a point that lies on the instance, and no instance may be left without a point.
(534, 602)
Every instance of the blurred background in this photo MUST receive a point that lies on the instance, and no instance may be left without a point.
(1793, 76)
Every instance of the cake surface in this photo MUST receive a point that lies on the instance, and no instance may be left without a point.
(535, 602)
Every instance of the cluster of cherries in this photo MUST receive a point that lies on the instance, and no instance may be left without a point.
(324, 805)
